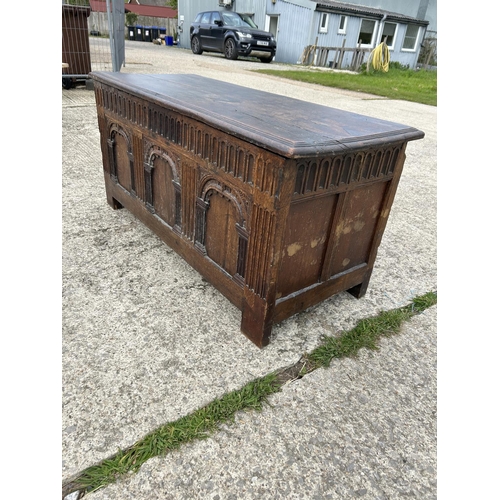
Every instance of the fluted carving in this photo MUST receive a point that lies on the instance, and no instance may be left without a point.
(346, 171)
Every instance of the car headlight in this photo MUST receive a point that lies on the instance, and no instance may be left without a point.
(243, 35)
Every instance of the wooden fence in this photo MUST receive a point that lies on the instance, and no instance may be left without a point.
(320, 56)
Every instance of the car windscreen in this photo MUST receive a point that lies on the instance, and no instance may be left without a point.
(234, 19)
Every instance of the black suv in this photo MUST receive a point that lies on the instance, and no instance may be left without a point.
(231, 34)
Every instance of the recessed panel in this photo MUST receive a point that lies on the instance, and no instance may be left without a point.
(163, 190)
(122, 162)
(221, 235)
(306, 238)
(354, 233)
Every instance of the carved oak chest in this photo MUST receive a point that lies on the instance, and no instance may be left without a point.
(279, 203)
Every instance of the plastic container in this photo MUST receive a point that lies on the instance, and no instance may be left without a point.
(139, 33)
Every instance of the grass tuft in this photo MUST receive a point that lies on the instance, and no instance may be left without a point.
(368, 332)
(203, 422)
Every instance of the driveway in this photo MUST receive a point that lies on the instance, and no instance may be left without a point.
(146, 340)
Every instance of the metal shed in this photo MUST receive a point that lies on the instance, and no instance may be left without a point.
(299, 24)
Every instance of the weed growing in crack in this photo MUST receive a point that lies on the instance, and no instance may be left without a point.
(207, 420)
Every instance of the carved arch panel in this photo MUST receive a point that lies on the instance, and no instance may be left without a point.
(121, 158)
(163, 189)
(221, 232)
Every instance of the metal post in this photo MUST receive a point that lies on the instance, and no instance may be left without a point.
(111, 35)
(116, 13)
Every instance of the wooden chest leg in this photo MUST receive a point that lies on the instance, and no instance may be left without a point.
(359, 291)
(115, 204)
(110, 186)
(256, 318)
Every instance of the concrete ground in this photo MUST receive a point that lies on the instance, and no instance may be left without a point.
(146, 340)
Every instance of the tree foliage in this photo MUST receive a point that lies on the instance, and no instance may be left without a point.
(130, 18)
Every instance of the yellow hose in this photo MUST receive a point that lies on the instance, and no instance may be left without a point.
(379, 58)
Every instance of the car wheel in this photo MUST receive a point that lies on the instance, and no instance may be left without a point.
(196, 45)
(266, 59)
(230, 49)
(67, 83)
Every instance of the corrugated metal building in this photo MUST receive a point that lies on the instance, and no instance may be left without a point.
(298, 24)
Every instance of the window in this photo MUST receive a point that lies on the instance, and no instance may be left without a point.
(367, 32)
(215, 17)
(235, 19)
(248, 18)
(389, 32)
(342, 25)
(411, 37)
(323, 24)
(205, 19)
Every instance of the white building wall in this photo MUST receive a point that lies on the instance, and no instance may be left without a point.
(298, 25)
(294, 28)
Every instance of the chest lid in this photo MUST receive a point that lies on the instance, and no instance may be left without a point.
(286, 126)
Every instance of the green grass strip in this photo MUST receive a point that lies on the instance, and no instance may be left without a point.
(403, 84)
(367, 333)
(205, 421)
(197, 425)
